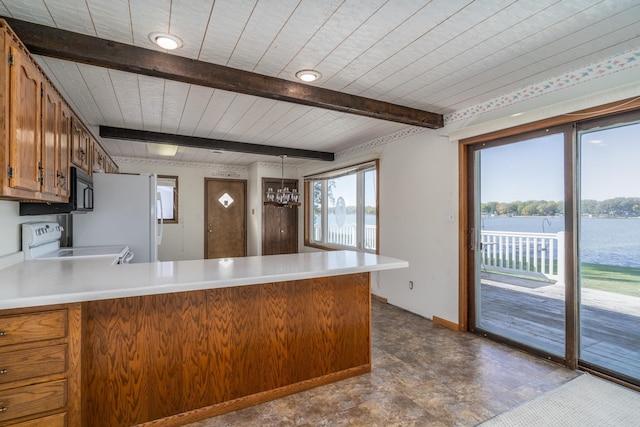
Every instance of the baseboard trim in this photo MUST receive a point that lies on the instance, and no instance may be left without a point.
(446, 323)
(379, 298)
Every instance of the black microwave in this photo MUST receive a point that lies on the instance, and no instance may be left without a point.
(80, 198)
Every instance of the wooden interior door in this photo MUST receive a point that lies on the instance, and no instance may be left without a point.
(279, 225)
(226, 218)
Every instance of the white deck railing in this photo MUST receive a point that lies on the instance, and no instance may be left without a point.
(346, 235)
(538, 254)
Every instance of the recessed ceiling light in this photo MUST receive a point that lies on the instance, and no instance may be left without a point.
(166, 41)
(308, 75)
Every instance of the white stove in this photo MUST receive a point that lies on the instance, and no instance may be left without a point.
(41, 241)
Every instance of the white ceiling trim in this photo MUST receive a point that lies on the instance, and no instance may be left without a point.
(380, 141)
(608, 66)
(562, 108)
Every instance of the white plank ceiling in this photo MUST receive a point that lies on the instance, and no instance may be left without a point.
(440, 56)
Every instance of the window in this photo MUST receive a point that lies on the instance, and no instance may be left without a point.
(168, 197)
(341, 208)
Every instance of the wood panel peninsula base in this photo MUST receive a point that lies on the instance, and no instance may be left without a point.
(171, 359)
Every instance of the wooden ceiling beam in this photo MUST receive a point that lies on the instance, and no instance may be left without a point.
(211, 144)
(48, 41)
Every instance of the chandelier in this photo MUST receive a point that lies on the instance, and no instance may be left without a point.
(282, 197)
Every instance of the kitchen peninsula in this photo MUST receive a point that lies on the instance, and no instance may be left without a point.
(169, 343)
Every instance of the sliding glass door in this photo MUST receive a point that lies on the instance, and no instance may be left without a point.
(609, 246)
(519, 241)
(553, 259)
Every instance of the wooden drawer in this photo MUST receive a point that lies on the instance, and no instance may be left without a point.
(32, 399)
(57, 420)
(31, 327)
(35, 362)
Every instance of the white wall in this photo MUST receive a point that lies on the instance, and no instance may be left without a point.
(418, 192)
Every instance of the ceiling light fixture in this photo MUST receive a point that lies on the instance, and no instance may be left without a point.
(165, 41)
(308, 75)
(165, 150)
(282, 197)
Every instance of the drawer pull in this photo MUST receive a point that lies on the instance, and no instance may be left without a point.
(2, 333)
(3, 371)
(4, 408)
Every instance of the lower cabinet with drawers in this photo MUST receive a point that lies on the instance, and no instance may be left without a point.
(40, 377)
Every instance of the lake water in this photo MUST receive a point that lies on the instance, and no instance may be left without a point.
(609, 241)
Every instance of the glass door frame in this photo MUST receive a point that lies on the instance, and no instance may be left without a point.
(568, 131)
(584, 126)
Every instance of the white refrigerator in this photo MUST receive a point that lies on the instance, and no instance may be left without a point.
(124, 212)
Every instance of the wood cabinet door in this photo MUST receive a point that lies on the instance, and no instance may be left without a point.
(50, 140)
(279, 225)
(226, 218)
(24, 122)
(64, 154)
(80, 146)
(101, 161)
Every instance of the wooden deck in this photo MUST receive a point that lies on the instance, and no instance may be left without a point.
(532, 312)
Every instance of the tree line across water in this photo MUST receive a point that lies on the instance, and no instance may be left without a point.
(618, 207)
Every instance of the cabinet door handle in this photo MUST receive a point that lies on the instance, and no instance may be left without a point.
(3, 371)
(61, 179)
(2, 333)
(4, 408)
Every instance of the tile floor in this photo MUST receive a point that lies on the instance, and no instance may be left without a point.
(423, 375)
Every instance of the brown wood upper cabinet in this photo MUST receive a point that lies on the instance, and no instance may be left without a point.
(81, 146)
(63, 158)
(23, 105)
(39, 134)
(35, 121)
(101, 160)
(56, 128)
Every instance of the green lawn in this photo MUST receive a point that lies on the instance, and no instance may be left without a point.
(620, 280)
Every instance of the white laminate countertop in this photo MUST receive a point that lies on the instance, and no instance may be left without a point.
(44, 282)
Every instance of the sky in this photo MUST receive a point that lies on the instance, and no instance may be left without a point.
(345, 187)
(533, 169)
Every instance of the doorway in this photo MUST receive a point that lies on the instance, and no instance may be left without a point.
(225, 218)
(578, 299)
